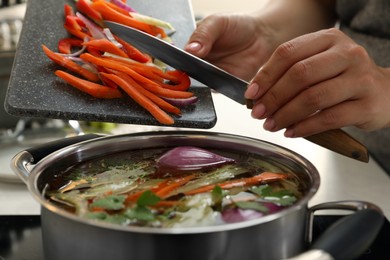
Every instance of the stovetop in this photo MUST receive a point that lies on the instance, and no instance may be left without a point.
(20, 238)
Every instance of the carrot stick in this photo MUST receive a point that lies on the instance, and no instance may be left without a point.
(143, 69)
(67, 63)
(146, 83)
(77, 33)
(120, 67)
(93, 89)
(134, 196)
(156, 99)
(105, 45)
(164, 192)
(260, 178)
(108, 13)
(143, 101)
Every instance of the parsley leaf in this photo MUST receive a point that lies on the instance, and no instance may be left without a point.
(253, 205)
(140, 213)
(148, 198)
(111, 202)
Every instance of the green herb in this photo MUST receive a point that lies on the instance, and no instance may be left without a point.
(262, 190)
(111, 202)
(104, 216)
(217, 197)
(282, 201)
(140, 213)
(148, 198)
(252, 205)
(281, 197)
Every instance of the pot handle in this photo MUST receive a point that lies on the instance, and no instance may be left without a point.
(23, 159)
(349, 237)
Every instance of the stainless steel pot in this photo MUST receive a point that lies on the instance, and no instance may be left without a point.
(276, 236)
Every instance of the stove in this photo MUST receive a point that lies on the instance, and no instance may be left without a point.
(20, 238)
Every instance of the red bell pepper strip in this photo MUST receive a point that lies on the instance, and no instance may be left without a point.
(65, 45)
(67, 63)
(105, 45)
(68, 10)
(85, 8)
(180, 80)
(74, 22)
(93, 89)
(133, 52)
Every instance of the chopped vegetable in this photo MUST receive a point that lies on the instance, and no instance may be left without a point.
(97, 55)
(127, 189)
(93, 89)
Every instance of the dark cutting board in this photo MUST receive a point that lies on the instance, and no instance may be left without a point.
(34, 90)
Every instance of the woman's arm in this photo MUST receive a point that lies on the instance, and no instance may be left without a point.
(287, 19)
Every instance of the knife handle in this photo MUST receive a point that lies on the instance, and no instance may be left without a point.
(340, 142)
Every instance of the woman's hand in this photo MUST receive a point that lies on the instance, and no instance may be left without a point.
(236, 43)
(320, 81)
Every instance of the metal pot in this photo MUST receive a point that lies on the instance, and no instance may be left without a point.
(276, 236)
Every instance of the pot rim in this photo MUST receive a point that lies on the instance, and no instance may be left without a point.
(34, 175)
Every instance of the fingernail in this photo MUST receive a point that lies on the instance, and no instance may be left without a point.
(252, 91)
(258, 111)
(269, 124)
(194, 46)
(289, 133)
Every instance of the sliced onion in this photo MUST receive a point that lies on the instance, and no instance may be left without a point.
(233, 215)
(74, 54)
(181, 102)
(94, 29)
(111, 38)
(189, 158)
(122, 5)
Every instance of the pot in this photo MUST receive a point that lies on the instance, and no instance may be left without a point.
(276, 236)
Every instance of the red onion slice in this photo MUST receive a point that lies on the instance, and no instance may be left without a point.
(188, 158)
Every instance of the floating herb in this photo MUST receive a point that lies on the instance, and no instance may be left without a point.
(111, 202)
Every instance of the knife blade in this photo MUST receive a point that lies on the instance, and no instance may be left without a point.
(204, 72)
(225, 83)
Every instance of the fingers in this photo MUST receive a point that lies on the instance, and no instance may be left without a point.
(346, 113)
(202, 39)
(303, 84)
(284, 57)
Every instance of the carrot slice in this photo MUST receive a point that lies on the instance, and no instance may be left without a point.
(67, 63)
(143, 101)
(164, 192)
(108, 13)
(260, 178)
(93, 89)
(156, 99)
(105, 45)
(118, 66)
(146, 83)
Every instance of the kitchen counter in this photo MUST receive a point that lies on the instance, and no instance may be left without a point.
(341, 178)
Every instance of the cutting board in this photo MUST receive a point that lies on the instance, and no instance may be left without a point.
(34, 90)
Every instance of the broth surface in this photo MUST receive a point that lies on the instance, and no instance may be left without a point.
(131, 188)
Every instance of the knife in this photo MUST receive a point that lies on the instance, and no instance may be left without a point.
(225, 83)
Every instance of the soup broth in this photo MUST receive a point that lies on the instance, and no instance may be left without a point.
(136, 188)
